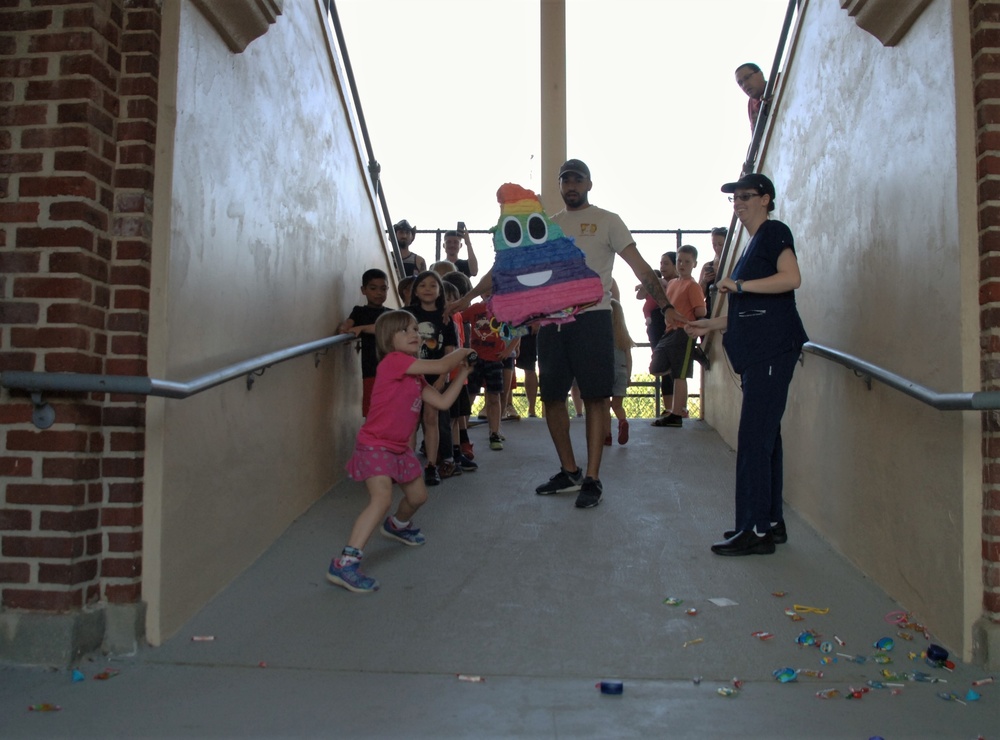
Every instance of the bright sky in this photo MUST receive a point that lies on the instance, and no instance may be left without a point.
(450, 93)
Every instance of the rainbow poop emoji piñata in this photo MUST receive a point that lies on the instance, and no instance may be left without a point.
(539, 274)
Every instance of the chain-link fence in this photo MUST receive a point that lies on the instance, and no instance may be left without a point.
(644, 400)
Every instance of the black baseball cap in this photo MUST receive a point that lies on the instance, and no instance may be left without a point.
(754, 180)
(576, 167)
(404, 225)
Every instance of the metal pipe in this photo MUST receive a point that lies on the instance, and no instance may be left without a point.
(34, 382)
(961, 401)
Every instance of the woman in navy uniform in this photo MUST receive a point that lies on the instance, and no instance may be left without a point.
(763, 339)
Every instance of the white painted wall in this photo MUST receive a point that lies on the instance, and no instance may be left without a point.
(264, 222)
(873, 161)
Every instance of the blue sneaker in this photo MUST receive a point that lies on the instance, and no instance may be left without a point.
(410, 536)
(350, 577)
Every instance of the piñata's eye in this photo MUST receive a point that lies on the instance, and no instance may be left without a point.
(512, 233)
(538, 230)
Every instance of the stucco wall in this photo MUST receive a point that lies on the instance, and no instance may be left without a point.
(872, 159)
(264, 222)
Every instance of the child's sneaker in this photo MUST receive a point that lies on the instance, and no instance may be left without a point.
(496, 442)
(623, 431)
(561, 482)
(590, 494)
(448, 469)
(410, 536)
(431, 476)
(466, 464)
(467, 450)
(349, 576)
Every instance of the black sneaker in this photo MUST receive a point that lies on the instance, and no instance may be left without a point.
(670, 420)
(699, 356)
(590, 494)
(561, 482)
(431, 476)
(466, 464)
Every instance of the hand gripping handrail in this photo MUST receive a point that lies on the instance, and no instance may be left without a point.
(963, 401)
(36, 383)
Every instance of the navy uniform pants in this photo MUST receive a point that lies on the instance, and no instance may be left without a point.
(758, 452)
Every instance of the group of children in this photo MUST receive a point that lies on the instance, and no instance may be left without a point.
(416, 369)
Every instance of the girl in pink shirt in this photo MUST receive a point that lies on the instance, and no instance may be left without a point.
(382, 455)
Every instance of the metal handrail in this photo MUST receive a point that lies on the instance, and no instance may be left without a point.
(36, 383)
(961, 401)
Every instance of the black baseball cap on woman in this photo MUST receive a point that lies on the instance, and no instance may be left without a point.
(755, 181)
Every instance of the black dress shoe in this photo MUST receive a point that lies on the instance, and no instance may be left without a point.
(778, 531)
(745, 543)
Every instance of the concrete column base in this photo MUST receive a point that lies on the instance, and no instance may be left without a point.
(32, 638)
(986, 644)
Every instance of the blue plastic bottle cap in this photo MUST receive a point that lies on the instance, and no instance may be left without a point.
(611, 687)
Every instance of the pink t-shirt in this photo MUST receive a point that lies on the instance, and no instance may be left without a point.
(395, 407)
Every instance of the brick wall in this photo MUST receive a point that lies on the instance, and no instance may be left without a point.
(78, 100)
(985, 16)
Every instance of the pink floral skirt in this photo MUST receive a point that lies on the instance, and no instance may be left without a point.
(367, 462)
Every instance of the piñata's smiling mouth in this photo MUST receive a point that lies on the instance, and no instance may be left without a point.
(534, 279)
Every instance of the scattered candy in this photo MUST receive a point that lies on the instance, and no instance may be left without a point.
(860, 659)
(695, 641)
(696, 680)
(794, 617)
(826, 647)
(203, 638)
(78, 676)
(809, 637)
(884, 644)
(811, 609)
(839, 641)
(827, 660)
(611, 687)
(904, 634)
(760, 635)
(827, 694)
(691, 612)
(737, 683)
(470, 679)
(106, 674)
(881, 658)
(810, 673)
(44, 708)
(779, 594)
(936, 653)
(950, 697)
(983, 681)
(972, 696)
(785, 675)
(725, 691)
(673, 601)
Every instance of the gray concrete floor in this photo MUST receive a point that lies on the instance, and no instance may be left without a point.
(540, 599)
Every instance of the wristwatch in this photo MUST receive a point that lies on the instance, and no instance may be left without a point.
(739, 286)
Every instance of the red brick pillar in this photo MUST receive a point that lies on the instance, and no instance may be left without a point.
(985, 15)
(78, 91)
